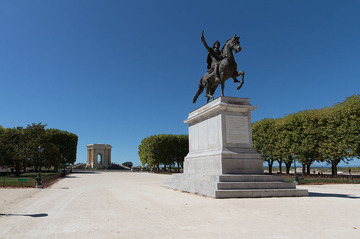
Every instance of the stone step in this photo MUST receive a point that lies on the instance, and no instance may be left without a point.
(234, 185)
(250, 178)
(255, 185)
(231, 177)
(260, 193)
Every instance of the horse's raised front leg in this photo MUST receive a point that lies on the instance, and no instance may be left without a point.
(242, 74)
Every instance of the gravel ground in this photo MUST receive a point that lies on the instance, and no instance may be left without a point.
(106, 204)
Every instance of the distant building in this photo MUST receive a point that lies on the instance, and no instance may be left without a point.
(98, 155)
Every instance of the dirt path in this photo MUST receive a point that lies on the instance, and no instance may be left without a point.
(133, 205)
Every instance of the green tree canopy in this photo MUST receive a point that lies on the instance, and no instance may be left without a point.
(264, 140)
(165, 149)
(128, 164)
(19, 147)
(325, 135)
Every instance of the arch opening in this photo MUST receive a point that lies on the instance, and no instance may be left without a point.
(99, 159)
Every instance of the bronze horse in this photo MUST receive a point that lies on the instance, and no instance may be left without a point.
(227, 69)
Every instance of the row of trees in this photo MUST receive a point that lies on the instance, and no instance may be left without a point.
(19, 147)
(164, 149)
(328, 135)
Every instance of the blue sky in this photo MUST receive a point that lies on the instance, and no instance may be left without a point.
(116, 72)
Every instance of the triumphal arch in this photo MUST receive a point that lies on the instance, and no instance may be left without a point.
(98, 156)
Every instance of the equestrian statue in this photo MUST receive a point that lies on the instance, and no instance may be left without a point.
(221, 66)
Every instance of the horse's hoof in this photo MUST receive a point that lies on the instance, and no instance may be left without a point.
(238, 87)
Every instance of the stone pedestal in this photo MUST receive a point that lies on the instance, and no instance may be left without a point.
(222, 162)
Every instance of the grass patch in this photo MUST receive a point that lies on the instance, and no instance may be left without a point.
(34, 174)
(17, 181)
(27, 179)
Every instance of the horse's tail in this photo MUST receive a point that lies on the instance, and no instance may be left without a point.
(199, 91)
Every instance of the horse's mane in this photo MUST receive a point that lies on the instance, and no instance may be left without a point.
(222, 49)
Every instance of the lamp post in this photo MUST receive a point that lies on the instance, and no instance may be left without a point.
(295, 176)
(38, 177)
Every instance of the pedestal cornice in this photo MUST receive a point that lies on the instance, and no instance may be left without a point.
(228, 104)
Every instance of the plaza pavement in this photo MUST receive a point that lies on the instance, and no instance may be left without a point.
(106, 204)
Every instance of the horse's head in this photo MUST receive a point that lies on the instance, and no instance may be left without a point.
(235, 43)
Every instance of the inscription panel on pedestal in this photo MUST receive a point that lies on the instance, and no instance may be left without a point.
(194, 138)
(237, 129)
(214, 132)
(203, 135)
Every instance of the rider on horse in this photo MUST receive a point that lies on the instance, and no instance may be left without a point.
(213, 58)
(222, 67)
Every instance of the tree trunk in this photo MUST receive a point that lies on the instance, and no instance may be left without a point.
(270, 163)
(303, 168)
(308, 168)
(280, 165)
(17, 169)
(288, 166)
(334, 168)
(288, 163)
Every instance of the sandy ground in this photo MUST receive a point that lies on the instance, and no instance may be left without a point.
(133, 205)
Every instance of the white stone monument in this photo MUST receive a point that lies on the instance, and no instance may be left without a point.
(222, 162)
(98, 156)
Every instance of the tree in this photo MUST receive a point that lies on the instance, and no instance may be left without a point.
(264, 138)
(128, 164)
(350, 109)
(148, 152)
(329, 134)
(2, 148)
(312, 123)
(280, 145)
(19, 147)
(11, 138)
(181, 149)
(163, 149)
(33, 137)
(287, 126)
(334, 146)
(66, 144)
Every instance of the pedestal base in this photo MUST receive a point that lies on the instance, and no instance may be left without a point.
(234, 185)
(222, 162)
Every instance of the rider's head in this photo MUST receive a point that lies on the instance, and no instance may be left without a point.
(216, 45)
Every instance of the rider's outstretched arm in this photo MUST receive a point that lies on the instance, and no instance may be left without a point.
(204, 42)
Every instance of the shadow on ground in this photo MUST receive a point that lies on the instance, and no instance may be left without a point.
(83, 172)
(24, 215)
(332, 195)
